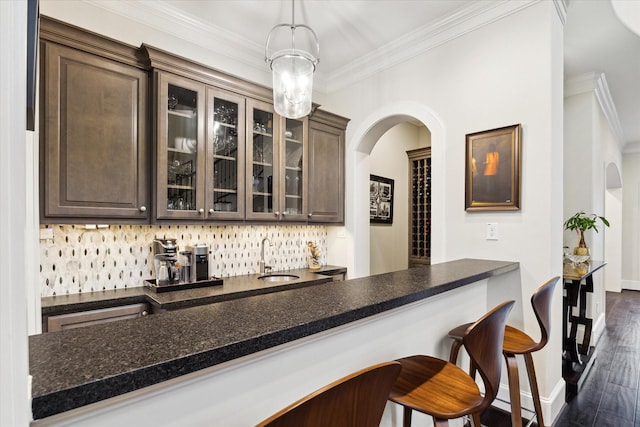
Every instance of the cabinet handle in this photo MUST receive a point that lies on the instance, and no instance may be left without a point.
(143, 208)
(201, 210)
(211, 211)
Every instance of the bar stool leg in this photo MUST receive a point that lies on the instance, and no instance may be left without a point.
(533, 383)
(406, 417)
(453, 355)
(514, 389)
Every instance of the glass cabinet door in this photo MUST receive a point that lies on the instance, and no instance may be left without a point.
(225, 167)
(180, 148)
(262, 162)
(295, 169)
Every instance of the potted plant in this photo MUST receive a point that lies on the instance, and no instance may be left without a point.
(581, 222)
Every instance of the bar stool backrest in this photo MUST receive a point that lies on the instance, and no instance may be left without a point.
(355, 400)
(541, 303)
(483, 342)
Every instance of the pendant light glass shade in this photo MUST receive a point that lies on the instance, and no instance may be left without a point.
(292, 84)
(292, 71)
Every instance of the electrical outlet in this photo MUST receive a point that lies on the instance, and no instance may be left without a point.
(492, 231)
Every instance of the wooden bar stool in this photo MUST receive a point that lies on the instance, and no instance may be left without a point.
(443, 390)
(518, 342)
(357, 400)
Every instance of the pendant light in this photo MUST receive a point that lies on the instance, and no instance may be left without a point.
(292, 70)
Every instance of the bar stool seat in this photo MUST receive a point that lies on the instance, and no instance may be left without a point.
(518, 342)
(441, 389)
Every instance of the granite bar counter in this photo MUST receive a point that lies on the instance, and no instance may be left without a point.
(81, 366)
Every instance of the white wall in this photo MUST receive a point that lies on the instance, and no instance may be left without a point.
(16, 187)
(389, 243)
(453, 91)
(631, 221)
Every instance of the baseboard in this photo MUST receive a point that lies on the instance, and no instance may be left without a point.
(632, 285)
(551, 406)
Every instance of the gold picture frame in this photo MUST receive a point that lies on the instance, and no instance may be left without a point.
(493, 169)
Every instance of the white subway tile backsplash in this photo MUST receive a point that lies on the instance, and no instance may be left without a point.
(85, 260)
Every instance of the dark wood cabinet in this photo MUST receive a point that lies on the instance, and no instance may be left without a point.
(93, 133)
(62, 322)
(195, 148)
(326, 167)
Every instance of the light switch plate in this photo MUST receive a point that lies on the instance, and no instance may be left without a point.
(492, 231)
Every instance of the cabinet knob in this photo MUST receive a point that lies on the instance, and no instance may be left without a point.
(201, 210)
(277, 213)
(310, 215)
(143, 208)
(211, 211)
(144, 313)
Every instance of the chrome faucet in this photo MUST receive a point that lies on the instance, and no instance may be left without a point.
(263, 266)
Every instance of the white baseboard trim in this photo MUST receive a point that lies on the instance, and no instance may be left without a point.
(551, 406)
(632, 285)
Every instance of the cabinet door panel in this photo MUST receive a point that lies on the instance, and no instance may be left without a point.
(95, 137)
(180, 148)
(326, 174)
(225, 155)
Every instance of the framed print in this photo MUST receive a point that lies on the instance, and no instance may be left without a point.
(380, 200)
(493, 169)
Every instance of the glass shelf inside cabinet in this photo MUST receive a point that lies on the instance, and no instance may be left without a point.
(293, 137)
(182, 146)
(225, 155)
(263, 160)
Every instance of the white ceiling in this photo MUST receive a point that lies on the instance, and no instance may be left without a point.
(363, 36)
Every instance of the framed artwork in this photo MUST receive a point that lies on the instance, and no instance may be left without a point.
(493, 169)
(380, 200)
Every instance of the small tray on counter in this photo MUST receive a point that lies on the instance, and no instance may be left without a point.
(151, 284)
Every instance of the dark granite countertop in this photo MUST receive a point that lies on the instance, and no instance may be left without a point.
(233, 287)
(80, 366)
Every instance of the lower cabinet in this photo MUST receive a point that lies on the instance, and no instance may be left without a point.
(79, 319)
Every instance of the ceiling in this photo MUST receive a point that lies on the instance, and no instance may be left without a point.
(363, 36)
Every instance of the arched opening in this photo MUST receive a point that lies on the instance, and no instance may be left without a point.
(359, 148)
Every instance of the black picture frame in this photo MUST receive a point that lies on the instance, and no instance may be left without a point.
(493, 169)
(380, 200)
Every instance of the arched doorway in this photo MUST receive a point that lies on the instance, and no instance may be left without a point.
(360, 142)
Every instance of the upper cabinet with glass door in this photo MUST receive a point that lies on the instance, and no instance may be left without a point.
(180, 148)
(293, 191)
(263, 162)
(226, 161)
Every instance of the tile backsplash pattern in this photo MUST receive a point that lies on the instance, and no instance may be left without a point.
(84, 260)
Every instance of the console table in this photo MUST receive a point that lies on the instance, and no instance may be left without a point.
(577, 357)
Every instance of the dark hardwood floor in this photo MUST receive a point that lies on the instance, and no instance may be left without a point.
(610, 395)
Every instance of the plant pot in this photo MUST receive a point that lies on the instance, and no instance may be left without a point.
(581, 251)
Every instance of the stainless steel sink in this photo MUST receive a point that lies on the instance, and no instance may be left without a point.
(278, 277)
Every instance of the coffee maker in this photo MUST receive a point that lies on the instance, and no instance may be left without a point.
(166, 245)
(200, 261)
(165, 256)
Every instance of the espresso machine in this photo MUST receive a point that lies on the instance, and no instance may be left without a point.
(200, 261)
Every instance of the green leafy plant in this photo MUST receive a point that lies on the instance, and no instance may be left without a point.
(581, 222)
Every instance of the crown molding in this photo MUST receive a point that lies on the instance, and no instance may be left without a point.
(561, 8)
(168, 19)
(596, 83)
(171, 20)
(466, 20)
